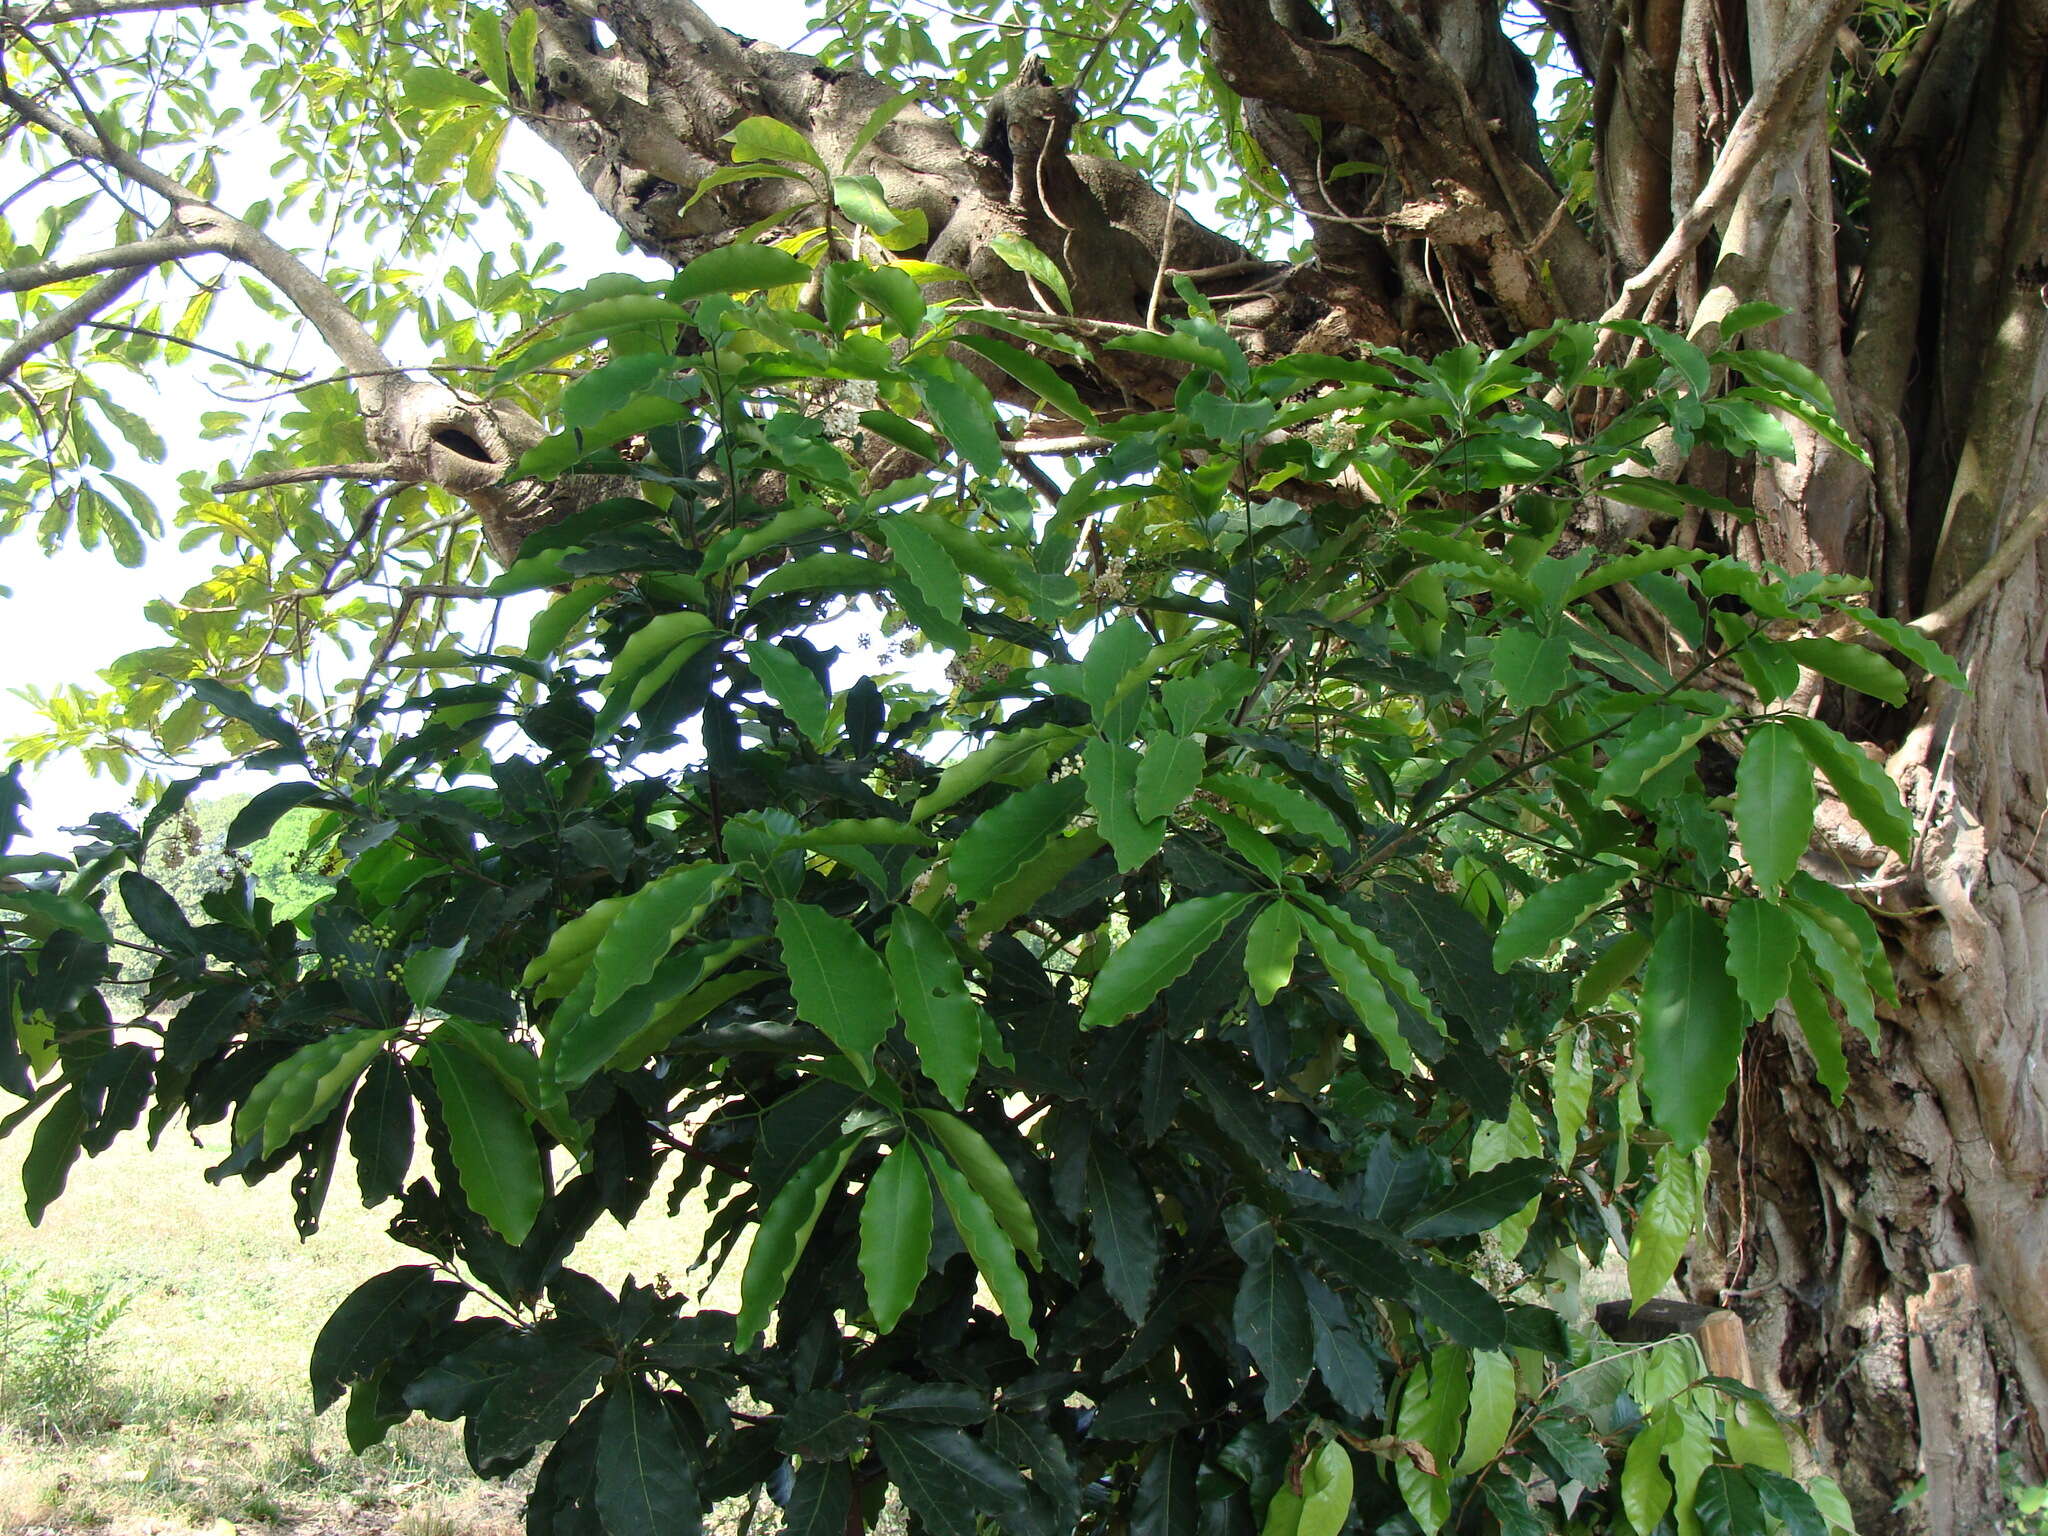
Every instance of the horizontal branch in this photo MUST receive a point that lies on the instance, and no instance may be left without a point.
(57, 12)
(2017, 544)
(59, 323)
(305, 474)
(137, 253)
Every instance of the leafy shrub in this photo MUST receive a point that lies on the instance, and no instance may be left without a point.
(1171, 1081)
(53, 1345)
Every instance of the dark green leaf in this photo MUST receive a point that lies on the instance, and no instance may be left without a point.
(375, 1322)
(645, 1483)
(538, 1402)
(839, 983)
(1124, 1226)
(489, 1139)
(1725, 1504)
(1481, 1201)
(946, 1478)
(1692, 1025)
(51, 1152)
(1158, 954)
(1271, 1319)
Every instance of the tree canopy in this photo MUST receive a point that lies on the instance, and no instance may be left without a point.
(1408, 654)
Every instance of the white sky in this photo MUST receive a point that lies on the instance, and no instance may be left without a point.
(74, 613)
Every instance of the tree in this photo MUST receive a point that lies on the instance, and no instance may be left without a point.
(1700, 161)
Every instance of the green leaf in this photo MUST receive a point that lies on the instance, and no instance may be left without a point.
(1124, 1227)
(1692, 1025)
(51, 1152)
(265, 810)
(1110, 770)
(1016, 252)
(768, 138)
(431, 88)
(1774, 801)
(989, 1247)
(1157, 955)
(940, 1016)
(1270, 1316)
(737, 269)
(1531, 669)
(1492, 1410)
(1725, 1504)
(1008, 753)
(302, 1090)
(1835, 959)
(380, 1130)
(962, 411)
(839, 983)
(520, 49)
(1654, 741)
(1762, 944)
(1269, 950)
(427, 971)
(1278, 805)
(1788, 1503)
(1481, 1201)
(990, 1177)
(488, 1138)
(1007, 835)
(1108, 677)
(645, 1485)
(794, 688)
(1922, 650)
(780, 1238)
(1665, 1219)
(1645, 1490)
(59, 910)
(1862, 785)
(1823, 1035)
(1362, 990)
(1034, 374)
(1551, 912)
(376, 1321)
(946, 1479)
(641, 932)
(895, 1235)
(1850, 665)
(925, 562)
(1171, 769)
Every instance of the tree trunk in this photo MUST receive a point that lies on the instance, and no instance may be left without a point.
(1889, 189)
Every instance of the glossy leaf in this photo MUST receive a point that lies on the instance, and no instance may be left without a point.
(1774, 801)
(1157, 955)
(489, 1138)
(940, 1016)
(783, 1233)
(1693, 1022)
(839, 983)
(895, 1235)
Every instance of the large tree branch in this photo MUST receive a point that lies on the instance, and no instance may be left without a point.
(136, 253)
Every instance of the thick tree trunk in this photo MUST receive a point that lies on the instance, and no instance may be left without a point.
(1890, 1254)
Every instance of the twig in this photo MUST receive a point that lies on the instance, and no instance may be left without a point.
(195, 346)
(58, 324)
(304, 474)
(60, 11)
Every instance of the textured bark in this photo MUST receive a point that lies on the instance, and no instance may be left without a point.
(1889, 1255)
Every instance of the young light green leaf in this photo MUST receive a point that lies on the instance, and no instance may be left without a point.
(1005, 837)
(1009, 753)
(1692, 1025)
(1774, 801)
(1491, 1412)
(839, 983)
(781, 1236)
(1571, 1091)
(990, 1177)
(1274, 804)
(1664, 1224)
(1550, 912)
(302, 1090)
(1645, 1490)
(489, 1139)
(1020, 254)
(1862, 785)
(1269, 950)
(520, 41)
(794, 688)
(940, 1016)
(1762, 943)
(989, 1247)
(895, 1235)
(768, 138)
(1159, 954)
(641, 932)
(1530, 668)
(1361, 989)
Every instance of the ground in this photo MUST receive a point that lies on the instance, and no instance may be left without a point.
(190, 1413)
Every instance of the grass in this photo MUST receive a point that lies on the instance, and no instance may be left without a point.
(190, 1412)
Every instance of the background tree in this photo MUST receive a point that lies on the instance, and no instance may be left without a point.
(1874, 170)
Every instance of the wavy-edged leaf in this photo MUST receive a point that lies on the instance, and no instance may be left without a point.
(781, 1236)
(839, 983)
(1762, 944)
(940, 1016)
(895, 1235)
(990, 1248)
(990, 1177)
(1159, 954)
(1269, 950)
(1774, 802)
(488, 1137)
(1860, 784)
(1554, 910)
(641, 932)
(1692, 1025)
(1003, 838)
